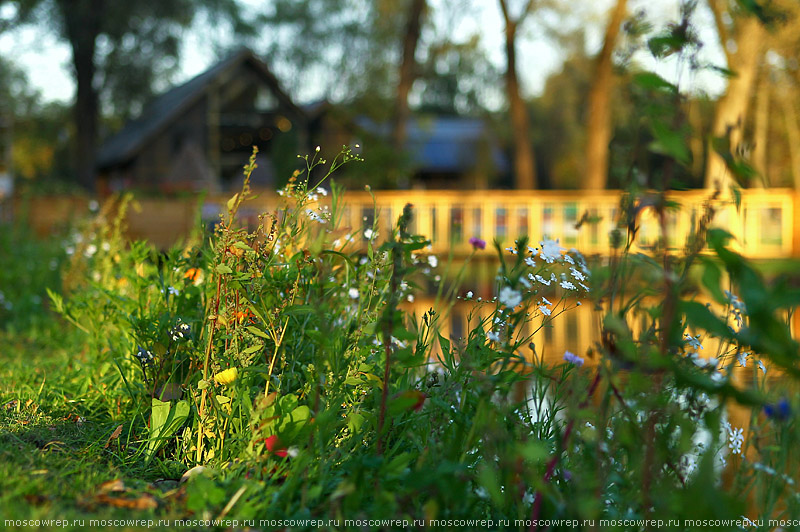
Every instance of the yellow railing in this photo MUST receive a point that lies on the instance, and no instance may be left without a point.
(764, 224)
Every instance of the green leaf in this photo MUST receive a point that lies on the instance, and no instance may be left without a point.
(698, 315)
(712, 275)
(165, 420)
(258, 332)
(232, 202)
(252, 349)
(444, 343)
(223, 269)
(651, 80)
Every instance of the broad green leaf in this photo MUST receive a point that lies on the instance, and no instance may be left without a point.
(165, 419)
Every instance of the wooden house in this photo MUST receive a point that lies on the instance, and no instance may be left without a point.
(198, 136)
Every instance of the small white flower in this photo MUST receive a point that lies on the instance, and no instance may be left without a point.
(493, 336)
(321, 191)
(512, 251)
(530, 262)
(369, 234)
(551, 250)
(742, 358)
(566, 285)
(584, 286)
(173, 291)
(410, 298)
(546, 301)
(433, 261)
(91, 249)
(544, 310)
(353, 292)
(524, 282)
(568, 259)
(510, 297)
(762, 367)
(693, 341)
(576, 274)
(542, 280)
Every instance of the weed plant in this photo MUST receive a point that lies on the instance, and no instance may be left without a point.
(277, 367)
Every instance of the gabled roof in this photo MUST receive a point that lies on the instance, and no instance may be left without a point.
(162, 111)
(445, 143)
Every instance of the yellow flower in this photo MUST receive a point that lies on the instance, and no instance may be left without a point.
(227, 376)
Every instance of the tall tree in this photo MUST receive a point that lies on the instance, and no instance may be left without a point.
(408, 71)
(742, 36)
(115, 46)
(599, 124)
(524, 161)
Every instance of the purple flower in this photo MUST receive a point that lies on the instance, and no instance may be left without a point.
(477, 243)
(779, 411)
(573, 358)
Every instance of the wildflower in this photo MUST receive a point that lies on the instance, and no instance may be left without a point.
(779, 411)
(566, 285)
(524, 282)
(572, 358)
(273, 445)
(693, 341)
(321, 191)
(477, 243)
(510, 297)
(369, 234)
(91, 249)
(433, 261)
(568, 259)
(762, 367)
(542, 280)
(544, 310)
(194, 275)
(469, 295)
(144, 356)
(742, 358)
(546, 301)
(551, 250)
(530, 262)
(735, 439)
(584, 286)
(227, 376)
(180, 331)
(512, 250)
(576, 274)
(353, 292)
(493, 336)
(410, 298)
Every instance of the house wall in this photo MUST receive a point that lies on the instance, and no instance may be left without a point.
(157, 159)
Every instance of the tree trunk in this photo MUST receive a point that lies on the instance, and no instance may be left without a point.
(793, 135)
(524, 164)
(408, 72)
(82, 19)
(761, 133)
(731, 112)
(599, 125)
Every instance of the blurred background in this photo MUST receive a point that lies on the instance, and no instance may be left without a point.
(170, 95)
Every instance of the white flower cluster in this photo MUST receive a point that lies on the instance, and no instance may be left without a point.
(735, 438)
(320, 216)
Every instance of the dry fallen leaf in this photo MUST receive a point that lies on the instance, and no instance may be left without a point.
(111, 485)
(114, 436)
(143, 502)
